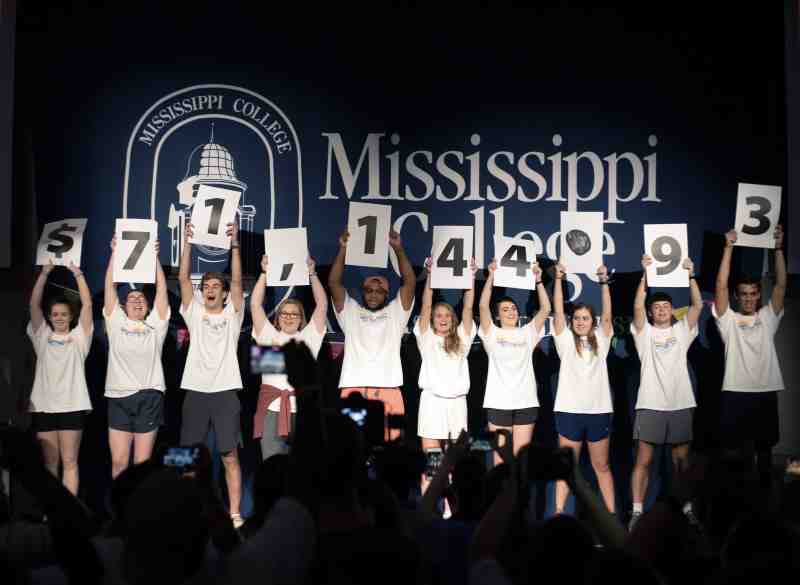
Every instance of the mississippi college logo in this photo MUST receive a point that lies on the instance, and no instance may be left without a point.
(219, 135)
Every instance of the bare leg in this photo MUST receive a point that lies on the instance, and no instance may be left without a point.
(49, 442)
(680, 457)
(500, 441)
(641, 471)
(143, 446)
(598, 453)
(233, 479)
(521, 435)
(562, 489)
(120, 444)
(69, 445)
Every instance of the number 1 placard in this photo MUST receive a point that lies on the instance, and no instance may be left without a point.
(514, 257)
(668, 246)
(287, 252)
(450, 257)
(368, 224)
(135, 251)
(758, 208)
(213, 210)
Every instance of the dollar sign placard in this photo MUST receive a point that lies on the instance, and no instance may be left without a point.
(61, 242)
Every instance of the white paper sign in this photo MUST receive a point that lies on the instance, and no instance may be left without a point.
(61, 242)
(758, 208)
(135, 251)
(450, 257)
(514, 257)
(368, 224)
(213, 210)
(582, 241)
(668, 245)
(287, 254)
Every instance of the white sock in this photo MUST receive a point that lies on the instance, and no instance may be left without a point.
(638, 507)
(687, 508)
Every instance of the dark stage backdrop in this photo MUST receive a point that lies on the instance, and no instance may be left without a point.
(499, 118)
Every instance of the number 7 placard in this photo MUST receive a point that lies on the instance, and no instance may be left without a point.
(135, 251)
(368, 224)
(758, 208)
(450, 256)
(668, 246)
(287, 253)
(213, 210)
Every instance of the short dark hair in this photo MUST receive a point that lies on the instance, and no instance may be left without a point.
(748, 279)
(62, 300)
(658, 297)
(226, 285)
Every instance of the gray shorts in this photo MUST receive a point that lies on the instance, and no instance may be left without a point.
(271, 443)
(663, 427)
(218, 410)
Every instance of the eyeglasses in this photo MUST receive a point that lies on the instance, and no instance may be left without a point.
(286, 315)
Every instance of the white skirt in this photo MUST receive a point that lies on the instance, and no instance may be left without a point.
(441, 418)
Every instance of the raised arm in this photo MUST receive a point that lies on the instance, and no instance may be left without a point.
(721, 293)
(424, 321)
(695, 298)
(110, 298)
(162, 296)
(469, 300)
(338, 291)
(257, 298)
(544, 301)
(606, 318)
(85, 318)
(779, 290)
(184, 270)
(639, 307)
(37, 315)
(406, 291)
(237, 290)
(320, 314)
(560, 320)
(486, 296)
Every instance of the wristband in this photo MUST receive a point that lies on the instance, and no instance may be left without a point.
(310, 274)
(604, 283)
(692, 277)
(234, 246)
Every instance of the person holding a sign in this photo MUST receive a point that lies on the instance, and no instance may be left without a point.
(275, 413)
(135, 377)
(60, 397)
(752, 380)
(443, 344)
(511, 399)
(583, 406)
(373, 330)
(211, 376)
(665, 404)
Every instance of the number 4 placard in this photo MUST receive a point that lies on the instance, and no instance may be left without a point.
(452, 250)
(668, 245)
(758, 208)
(213, 210)
(514, 257)
(135, 251)
(287, 253)
(368, 224)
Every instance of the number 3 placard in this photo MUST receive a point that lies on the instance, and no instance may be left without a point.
(135, 251)
(368, 224)
(758, 208)
(452, 250)
(213, 210)
(668, 245)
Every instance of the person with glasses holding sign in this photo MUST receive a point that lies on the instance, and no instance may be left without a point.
(275, 413)
(373, 331)
(752, 380)
(511, 400)
(211, 376)
(583, 407)
(60, 400)
(135, 377)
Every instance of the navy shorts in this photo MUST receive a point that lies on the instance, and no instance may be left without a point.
(580, 427)
(749, 417)
(142, 412)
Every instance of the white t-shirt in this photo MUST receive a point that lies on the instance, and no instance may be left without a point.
(583, 386)
(60, 383)
(751, 363)
(665, 383)
(444, 374)
(510, 382)
(134, 353)
(271, 336)
(372, 344)
(212, 364)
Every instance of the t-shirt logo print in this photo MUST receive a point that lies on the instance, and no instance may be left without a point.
(217, 326)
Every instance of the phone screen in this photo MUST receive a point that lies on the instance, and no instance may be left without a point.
(267, 360)
(182, 457)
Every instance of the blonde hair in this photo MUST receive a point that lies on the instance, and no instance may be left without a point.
(452, 342)
(299, 305)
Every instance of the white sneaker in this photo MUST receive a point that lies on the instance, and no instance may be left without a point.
(237, 520)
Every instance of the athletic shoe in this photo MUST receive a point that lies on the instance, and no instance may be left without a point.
(634, 519)
(237, 520)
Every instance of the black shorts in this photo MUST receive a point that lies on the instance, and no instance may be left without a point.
(45, 422)
(217, 410)
(511, 417)
(749, 417)
(142, 412)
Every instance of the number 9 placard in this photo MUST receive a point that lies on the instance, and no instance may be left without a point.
(213, 210)
(450, 256)
(135, 251)
(667, 244)
(368, 224)
(758, 208)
